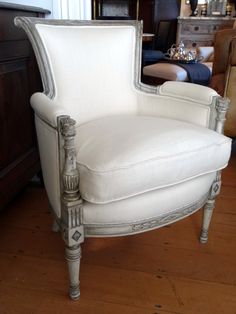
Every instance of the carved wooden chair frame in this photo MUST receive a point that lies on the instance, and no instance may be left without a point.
(71, 221)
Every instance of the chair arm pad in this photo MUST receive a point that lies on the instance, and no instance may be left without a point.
(190, 92)
(46, 109)
(178, 100)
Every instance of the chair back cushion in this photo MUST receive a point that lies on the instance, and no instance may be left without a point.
(92, 67)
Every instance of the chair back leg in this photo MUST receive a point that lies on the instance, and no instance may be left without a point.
(209, 206)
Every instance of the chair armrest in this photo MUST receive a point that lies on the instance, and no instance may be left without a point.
(46, 109)
(180, 100)
(187, 91)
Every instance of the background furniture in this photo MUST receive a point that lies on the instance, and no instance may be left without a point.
(224, 75)
(119, 9)
(135, 146)
(19, 78)
(161, 72)
(200, 31)
(158, 16)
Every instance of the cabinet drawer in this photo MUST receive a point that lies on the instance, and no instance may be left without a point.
(201, 30)
(189, 29)
(197, 43)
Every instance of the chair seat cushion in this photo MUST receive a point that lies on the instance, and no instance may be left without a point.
(122, 156)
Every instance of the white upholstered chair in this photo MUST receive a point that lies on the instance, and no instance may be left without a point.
(119, 157)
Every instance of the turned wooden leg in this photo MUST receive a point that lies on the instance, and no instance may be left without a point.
(209, 206)
(73, 256)
(207, 214)
(71, 203)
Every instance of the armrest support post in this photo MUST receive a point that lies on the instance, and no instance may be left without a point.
(71, 202)
(222, 105)
(72, 228)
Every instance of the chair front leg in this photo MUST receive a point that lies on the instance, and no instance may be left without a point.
(73, 256)
(71, 205)
(73, 235)
(209, 206)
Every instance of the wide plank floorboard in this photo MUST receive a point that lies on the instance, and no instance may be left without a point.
(162, 271)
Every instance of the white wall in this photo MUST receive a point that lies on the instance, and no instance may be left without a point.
(61, 9)
(45, 4)
(72, 9)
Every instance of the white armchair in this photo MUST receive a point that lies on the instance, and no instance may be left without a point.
(119, 157)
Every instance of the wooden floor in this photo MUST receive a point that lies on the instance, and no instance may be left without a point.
(163, 271)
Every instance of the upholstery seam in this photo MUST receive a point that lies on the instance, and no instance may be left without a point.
(226, 141)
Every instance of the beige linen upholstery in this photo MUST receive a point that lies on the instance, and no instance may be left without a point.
(137, 165)
(135, 157)
(157, 203)
(67, 68)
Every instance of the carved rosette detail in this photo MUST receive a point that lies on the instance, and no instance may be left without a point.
(68, 127)
(168, 218)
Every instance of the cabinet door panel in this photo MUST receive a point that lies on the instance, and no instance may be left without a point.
(19, 79)
(16, 124)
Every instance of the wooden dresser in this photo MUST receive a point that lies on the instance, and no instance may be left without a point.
(19, 79)
(200, 31)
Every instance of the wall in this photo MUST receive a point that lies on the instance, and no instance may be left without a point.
(72, 9)
(66, 9)
(45, 4)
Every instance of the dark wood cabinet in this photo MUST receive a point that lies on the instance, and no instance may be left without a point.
(19, 79)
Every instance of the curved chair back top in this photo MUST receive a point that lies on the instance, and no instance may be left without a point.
(89, 67)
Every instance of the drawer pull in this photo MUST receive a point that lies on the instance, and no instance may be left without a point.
(196, 28)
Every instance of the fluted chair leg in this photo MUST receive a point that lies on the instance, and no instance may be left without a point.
(73, 256)
(207, 214)
(209, 206)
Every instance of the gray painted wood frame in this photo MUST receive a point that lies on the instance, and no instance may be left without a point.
(71, 221)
